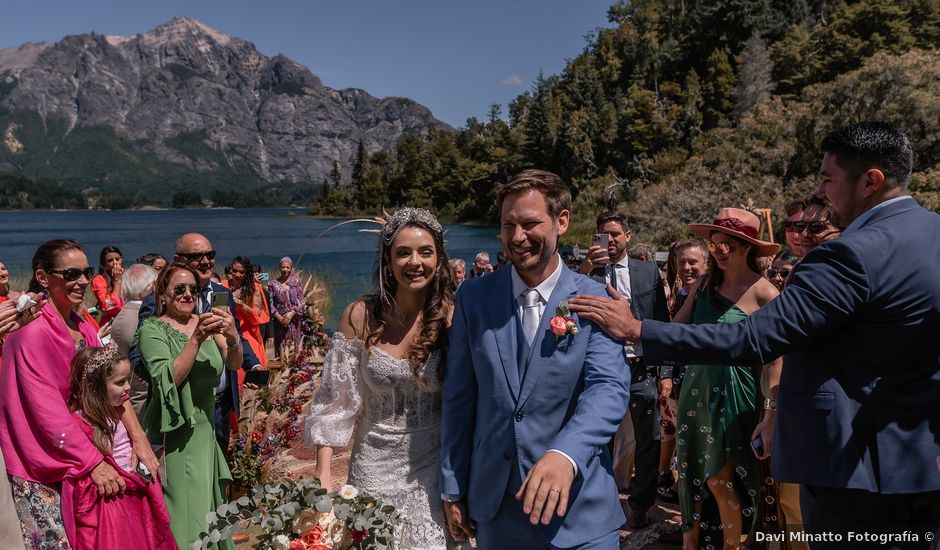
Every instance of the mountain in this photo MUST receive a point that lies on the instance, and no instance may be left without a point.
(183, 107)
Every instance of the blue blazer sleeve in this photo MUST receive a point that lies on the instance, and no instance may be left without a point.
(601, 405)
(827, 287)
(458, 407)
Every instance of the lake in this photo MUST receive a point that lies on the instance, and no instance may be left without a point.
(344, 257)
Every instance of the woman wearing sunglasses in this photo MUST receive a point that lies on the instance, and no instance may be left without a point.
(719, 407)
(185, 353)
(780, 269)
(41, 440)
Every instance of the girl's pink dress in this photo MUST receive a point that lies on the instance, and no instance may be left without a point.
(138, 519)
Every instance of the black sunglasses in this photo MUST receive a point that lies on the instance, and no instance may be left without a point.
(180, 289)
(784, 273)
(74, 273)
(815, 228)
(196, 256)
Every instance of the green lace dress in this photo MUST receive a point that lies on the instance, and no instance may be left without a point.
(183, 420)
(716, 415)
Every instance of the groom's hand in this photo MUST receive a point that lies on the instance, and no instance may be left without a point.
(613, 315)
(545, 489)
(458, 520)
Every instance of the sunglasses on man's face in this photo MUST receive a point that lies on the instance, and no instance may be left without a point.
(74, 273)
(191, 257)
(181, 289)
(783, 273)
(814, 228)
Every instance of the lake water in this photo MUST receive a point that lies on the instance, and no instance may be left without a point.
(344, 257)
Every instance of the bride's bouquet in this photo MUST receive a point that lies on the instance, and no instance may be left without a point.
(301, 515)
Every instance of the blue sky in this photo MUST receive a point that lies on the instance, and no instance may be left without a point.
(456, 58)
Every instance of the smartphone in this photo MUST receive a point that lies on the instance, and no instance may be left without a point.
(264, 277)
(220, 299)
(143, 472)
(757, 445)
(601, 240)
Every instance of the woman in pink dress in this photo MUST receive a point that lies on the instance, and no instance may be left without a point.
(42, 442)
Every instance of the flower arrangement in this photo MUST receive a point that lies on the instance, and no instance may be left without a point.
(563, 323)
(273, 417)
(302, 515)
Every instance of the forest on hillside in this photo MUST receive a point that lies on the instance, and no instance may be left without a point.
(677, 108)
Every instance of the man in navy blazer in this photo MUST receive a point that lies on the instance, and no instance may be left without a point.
(196, 251)
(529, 403)
(859, 324)
(641, 283)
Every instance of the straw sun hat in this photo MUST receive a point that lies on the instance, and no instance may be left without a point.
(740, 224)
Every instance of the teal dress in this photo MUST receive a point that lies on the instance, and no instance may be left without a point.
(182, 418)
(716, 414)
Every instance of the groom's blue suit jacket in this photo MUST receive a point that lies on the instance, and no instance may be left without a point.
(505, 404)
(859, 325)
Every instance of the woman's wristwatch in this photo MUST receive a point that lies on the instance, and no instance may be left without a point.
(770, 404)
(231, 345)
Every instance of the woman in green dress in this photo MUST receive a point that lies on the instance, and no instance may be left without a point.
(719, 407)
(185, 354)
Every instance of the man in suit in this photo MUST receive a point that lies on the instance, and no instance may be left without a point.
(858, 324)
(196, 251)
(529, 403)
(640, 283)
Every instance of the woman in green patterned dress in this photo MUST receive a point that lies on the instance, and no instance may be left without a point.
(185, 354)
(718, 410)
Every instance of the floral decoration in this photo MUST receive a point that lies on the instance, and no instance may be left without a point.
(302, 515)
(563, 323)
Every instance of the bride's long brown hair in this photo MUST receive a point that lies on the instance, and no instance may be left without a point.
(438, 302)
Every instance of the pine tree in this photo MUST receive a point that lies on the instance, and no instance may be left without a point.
(336, 177)
(359, 166)
(718, 88)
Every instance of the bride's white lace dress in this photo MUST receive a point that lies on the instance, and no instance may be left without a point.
(395, 456)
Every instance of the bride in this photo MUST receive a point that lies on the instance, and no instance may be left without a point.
(384, 367)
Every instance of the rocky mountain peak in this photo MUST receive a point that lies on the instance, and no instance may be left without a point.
(184, 98)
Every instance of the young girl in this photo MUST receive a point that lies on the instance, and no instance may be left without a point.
(137, 516)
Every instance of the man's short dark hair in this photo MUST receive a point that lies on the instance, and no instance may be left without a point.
(556, 193)
(866, 145)
(613, 216)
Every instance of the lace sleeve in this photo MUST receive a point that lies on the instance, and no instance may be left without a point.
(335, 407)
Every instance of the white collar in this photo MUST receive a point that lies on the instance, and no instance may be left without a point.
(544, 289)
(624, 262)
(858, 222)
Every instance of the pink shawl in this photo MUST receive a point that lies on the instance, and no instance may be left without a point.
(137, 519)
(40, 439)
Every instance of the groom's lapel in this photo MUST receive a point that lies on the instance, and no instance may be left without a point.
(545, 338)
(503, 321)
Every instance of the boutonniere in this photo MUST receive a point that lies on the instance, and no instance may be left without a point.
(562, 323)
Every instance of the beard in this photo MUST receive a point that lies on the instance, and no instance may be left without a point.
(545, 255)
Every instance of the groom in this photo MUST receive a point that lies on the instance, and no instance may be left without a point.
(527, 413)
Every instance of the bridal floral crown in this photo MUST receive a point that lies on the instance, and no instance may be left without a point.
(105, 355)
(406, 216)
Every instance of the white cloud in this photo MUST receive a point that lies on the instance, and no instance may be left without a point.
(512, 80)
